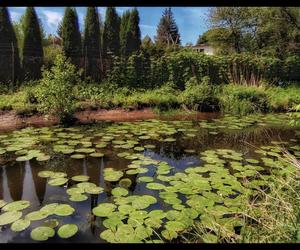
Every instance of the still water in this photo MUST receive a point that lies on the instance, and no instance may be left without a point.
(19, 180)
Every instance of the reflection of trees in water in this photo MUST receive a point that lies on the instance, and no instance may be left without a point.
(15, 175)
(40, 183)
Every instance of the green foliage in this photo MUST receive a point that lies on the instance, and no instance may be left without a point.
(200, 96)
(9, 55)
(135, 33)
(32, 50)
(243, 100)
(55, 92)
(124, 34)
(71, 38)
(50, 53)
(91, 44)
(111, 39)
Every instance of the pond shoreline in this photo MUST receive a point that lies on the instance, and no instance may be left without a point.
(10, 120)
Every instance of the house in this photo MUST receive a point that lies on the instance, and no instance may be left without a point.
(203, 48)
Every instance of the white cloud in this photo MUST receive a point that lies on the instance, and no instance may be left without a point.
(52, 17)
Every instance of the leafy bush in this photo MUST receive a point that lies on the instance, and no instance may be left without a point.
(243, 100)
(200, 96)
(55, 92)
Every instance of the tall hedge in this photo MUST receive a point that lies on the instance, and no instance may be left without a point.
(91, 44)
(9, 54)
(32, 48)
(71, 37)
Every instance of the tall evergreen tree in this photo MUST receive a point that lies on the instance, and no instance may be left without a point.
(167, 30)
(111, 32)
(32, 48)
(135, 32)
(124, 33)
(91, 44)
(9, 55)
(71, 37)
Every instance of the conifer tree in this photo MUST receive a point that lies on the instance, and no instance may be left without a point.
(91, 44)
(167, 30)
(9, 55)
(111, 32)
(124, 34)
(71, 37)
(135, 32)
(32, 49)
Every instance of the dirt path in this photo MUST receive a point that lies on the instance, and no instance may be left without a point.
(10, 121)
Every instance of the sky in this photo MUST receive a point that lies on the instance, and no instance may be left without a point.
(191, 21)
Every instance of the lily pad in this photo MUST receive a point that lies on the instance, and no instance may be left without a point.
(104, 209)
(125, 182)
(118, 191)
(51, 223)
(77, 156)
(80, 178)
(57, 181)
(16, 205)
(64, 210)
(36, 215)
(9, 217)
(42, 233)
(20, 225)
(78, 197)
(67, 231)
(155, 186)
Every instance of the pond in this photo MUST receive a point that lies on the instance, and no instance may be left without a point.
(137, 181)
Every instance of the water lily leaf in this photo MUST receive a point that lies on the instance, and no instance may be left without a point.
(172, 214)
(112, 223)
(86, 185)
(51, 223)
(153, 222)
(118, 191)
(58, 175)
(97, 155)
(126, 209)
(67, 231)
(43, 158)
(169, 235)
(94, 190)
(157, 214)
(57, 181)
(20, 225)
(155, 186)
(145, 179)
(125, 182)
(2, 203)
(45, 174)
(75, 190)
(104, 209)
(64, 210)
(36, 215)
(80, 178)
(42, 233)
(142, 232)
(78, 197)
(108, 235)
(49, 208)
(77, 156)
(16, 205)
(9, 217)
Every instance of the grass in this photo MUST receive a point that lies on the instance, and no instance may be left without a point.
(232, 99)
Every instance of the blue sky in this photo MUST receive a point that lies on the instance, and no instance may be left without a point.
(191, 21)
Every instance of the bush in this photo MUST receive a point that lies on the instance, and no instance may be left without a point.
(243, 100)
(200, 96)
(55, 92)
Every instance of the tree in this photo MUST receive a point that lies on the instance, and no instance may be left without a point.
(111, 32)
(91, 44)
(135, 32)
(9, 55)
(167, 30)
(32, 49)
(125, 34)
(71, 37)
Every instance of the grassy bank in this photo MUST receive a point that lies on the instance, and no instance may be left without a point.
(232, 99)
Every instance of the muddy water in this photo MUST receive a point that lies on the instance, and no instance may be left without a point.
(20, 180)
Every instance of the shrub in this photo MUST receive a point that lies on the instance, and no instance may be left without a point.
(243, 100)
(200, 96)
(55, 92)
